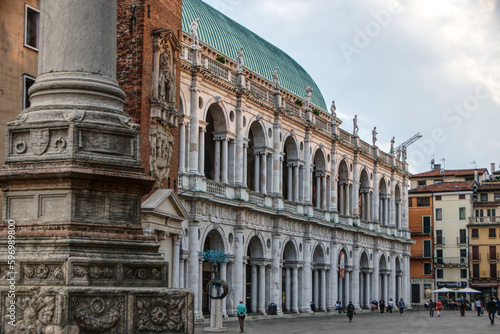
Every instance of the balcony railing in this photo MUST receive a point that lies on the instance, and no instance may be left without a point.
(493, 256)
(440, 241)
(215, 188)
(256, 198)
(476, 257)
(484, 220)
(453, 261)
(462, 240)
(421, 230)
(420, 254)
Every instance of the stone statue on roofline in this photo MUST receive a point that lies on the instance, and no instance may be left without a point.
(193, 30)
(393, 140)
(309, 91)
(239, 61)
(355, 125)
(374, 135)
(276, 83)
(333, 109)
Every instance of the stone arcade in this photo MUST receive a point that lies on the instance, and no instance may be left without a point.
(73, 186)
(277, 184)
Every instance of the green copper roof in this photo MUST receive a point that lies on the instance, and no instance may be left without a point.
(260, 56)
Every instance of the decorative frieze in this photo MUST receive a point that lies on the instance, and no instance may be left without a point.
(162, 314)
(42, 272)
(98, 313)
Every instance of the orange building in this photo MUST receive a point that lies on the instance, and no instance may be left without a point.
(421, 260)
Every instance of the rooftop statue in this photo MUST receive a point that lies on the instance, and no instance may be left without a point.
(193, 29)
(332, 110)
(374, 135)
(355, 125)
(276, 83)
(239, 60)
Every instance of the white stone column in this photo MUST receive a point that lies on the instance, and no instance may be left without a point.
(182, 147)
(375, 195)
(347, 285)
(200, 290)
(231, 161)
(328, 190)
(262, 289)
(245, 166)
(316, 287)
(323, 192)
(181, 274)
(323, 290)
(289, 183)
(276, 272)
(187, 146)
(361, 290)
(355, 279)
(295, 290)
(270, 173)
(301, 184)
(368, 206)
(256, 172)
(333, 286)
(296, 184)
(223, 275)
(254, 289)
(355, 190)
(375, 281)
(393, 277)
(318, 192)
(276, 174)
(176, 261)
(287, 289)
(306, 277)
(201, 159)
(225, 160)
(341, 199)
(348, 195)
(217, 160)
(240, 156)
(369, 297)
(263, 173)
(239, 279)
(193, 264)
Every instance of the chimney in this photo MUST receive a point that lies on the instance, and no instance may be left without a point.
(492, 168)
(437, 166)
(476, 176)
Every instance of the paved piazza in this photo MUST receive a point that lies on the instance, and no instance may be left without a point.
(368, 323)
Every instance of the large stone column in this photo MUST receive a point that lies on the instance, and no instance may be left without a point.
(254, 290)
(73, 184)
(333, 282)
(217, 160)
(355, 279)
(239, 278)
(262, 289)
(306, 277)
(240, 152)
(193, 264)
(295, 289)
(307, 184)
(322, 303)
(287, 288)
(176, 261)
(225, 160)
(375, 281)
(276, 272)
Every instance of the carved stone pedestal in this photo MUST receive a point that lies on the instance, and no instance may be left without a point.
(216, 317)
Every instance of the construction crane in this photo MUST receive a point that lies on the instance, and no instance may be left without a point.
(401, 149)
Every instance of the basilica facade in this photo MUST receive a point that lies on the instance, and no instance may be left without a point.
(308, 213)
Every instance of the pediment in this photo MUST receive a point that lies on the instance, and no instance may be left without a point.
(165, 203)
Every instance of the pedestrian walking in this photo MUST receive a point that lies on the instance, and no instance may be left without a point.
(241, 310)
(439, 307)
(431, 308)
(390, 306)
(381, 305)
(462, 303)
(350, 311)
(479, 306)
(492, 308)
(401, 305)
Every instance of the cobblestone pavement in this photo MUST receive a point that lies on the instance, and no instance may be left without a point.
(366, 323)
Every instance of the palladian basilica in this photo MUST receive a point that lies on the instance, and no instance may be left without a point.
(309, 213)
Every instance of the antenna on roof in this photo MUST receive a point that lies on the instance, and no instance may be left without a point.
(432, 162)
(444, 166)
(475, 165)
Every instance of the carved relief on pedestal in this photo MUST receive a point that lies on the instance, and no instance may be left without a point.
(142, 273)
(162, 145)
(42, 272)
(98, 314)
(34, 313)
(94, 272)
(161, 314)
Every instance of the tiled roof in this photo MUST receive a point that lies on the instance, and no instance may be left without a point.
(450, 172)
(489, 186)
(260, 56)
(443, 187)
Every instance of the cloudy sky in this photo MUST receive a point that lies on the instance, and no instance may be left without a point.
(424, 66)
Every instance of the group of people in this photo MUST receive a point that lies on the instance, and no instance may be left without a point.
(492, 307)
(389, 307)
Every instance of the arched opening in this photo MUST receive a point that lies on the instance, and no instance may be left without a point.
(383, 278)
(383, 197)
(343, 277)
(216, 145)
(343, 189)
(319, 180)
(364, 196)
(319, 278)
(290, 279)
(213, 241)
(257, 159)
(364, 281)
(255, 277)
(290, 179)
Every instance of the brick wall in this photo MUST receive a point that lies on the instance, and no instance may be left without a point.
(137, 19)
